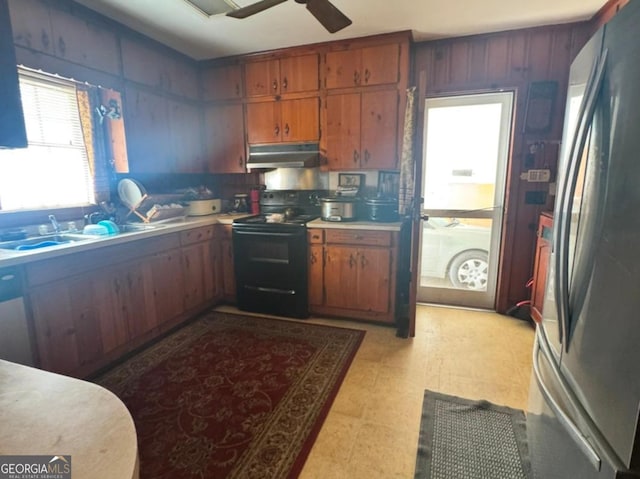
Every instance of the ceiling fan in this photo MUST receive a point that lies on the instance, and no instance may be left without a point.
(325, 12)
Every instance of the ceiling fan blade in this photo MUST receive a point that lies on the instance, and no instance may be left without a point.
(254, 8)
(326, 13)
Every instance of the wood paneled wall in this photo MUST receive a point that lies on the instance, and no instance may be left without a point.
(507, 61)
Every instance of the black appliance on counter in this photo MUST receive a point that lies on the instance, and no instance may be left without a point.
(270, 253)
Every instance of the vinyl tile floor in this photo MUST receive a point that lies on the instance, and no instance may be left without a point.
(372, 429)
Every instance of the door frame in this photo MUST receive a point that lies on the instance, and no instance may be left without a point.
(475, 299)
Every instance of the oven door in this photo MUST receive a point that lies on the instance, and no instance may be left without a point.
(271, 269)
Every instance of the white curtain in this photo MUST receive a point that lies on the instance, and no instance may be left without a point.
(407, 163)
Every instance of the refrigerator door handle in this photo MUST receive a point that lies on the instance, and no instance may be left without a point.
(561, 283)
(566, 422)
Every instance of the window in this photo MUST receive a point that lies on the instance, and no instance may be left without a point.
(54, 170)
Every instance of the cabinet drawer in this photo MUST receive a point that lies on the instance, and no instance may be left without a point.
(358, 237)
(315, 236)
(196, 235)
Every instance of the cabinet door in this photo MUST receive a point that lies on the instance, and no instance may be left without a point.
(147, 121)
(374, 279)
(341, 277)
(380, 65)
(541, 264)
(300, 119)
(262, 78)
(343, 131)
(222, 83)
(165, 274)
(31, 25)
(85, 43)
(12, 128)
(224, 139)
(379, 130)
(197, 268)
(130, 295)
(316, 275)
(342, 69)
(263, 122)
(186, 142)
(299, 74)
(66, 325)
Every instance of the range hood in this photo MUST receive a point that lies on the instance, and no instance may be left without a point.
(303, 155)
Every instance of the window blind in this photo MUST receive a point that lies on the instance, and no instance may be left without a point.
(54, 170)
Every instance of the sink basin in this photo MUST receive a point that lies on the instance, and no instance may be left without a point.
(45, 241)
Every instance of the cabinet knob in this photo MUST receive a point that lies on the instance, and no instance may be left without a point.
(286, 129)
(367, 75)
(274, 85)
(276, 130)
(367, 155)
(285, 83)
(352, 261)
(356, 77)
(356, 156)
(314, 260)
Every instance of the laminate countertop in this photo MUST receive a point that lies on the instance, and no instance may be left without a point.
(357, 225)
(43, 413)
(14, 258)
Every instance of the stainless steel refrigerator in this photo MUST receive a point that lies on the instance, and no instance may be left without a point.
(583, 413)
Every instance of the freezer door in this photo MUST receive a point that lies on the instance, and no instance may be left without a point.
(555, 309)
(558, 446)
(602, 364)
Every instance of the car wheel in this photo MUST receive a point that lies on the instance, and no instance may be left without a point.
(469, 270)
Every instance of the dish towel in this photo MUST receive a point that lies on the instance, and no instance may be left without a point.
(407, 163)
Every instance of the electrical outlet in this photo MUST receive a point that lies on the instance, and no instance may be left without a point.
(536, 176)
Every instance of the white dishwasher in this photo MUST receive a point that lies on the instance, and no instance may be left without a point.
(15, 345)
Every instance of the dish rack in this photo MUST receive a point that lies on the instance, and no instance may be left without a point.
(156, 212)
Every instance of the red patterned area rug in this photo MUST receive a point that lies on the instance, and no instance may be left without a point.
(233, 396)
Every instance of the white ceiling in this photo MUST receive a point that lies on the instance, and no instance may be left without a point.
(179, 25)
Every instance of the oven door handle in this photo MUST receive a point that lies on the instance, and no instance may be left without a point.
(289, 292)
(264, 233)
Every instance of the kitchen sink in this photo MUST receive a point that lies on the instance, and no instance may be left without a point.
(45, 241)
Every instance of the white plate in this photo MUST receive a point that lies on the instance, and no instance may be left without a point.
(131, 193)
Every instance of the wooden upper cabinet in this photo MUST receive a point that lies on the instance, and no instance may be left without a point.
(85, 43)
(362, 130)
(224, 139)
(12, 128)
(186, 142)
(31, 25)
(280, 76)
(299, 74)
(375, 65)
(222, 83)
(379, 129)
(144, 64)
(343, 131)
(283, 121)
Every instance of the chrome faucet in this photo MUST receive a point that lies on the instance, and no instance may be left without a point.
(55, 224)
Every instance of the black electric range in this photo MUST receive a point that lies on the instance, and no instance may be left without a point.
(271, 253)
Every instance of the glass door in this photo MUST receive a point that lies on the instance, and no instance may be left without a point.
(464, 166)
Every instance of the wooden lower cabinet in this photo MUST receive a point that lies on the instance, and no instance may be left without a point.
(355, 277)
(90, 308)
(541, 265)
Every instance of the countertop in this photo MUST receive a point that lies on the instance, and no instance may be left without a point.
(44, 413)
(13, 258)
(358, 225)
